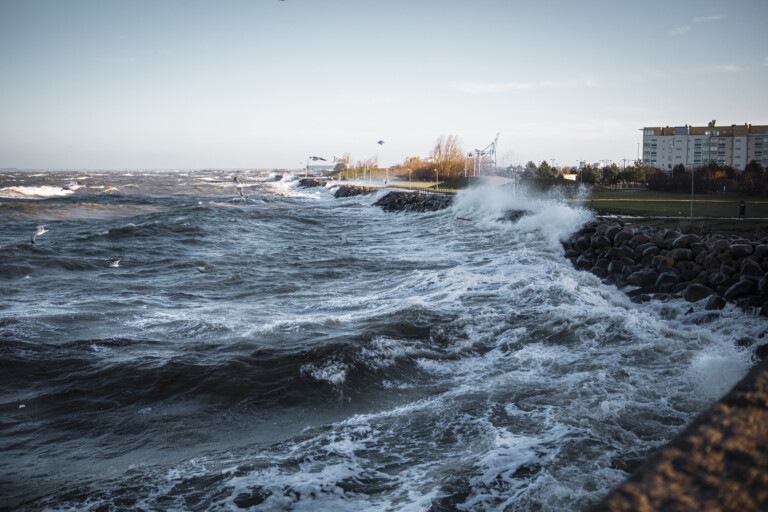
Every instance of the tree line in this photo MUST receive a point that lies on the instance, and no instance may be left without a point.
(708, 179)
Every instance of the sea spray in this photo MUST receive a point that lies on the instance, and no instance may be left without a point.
(333, 355)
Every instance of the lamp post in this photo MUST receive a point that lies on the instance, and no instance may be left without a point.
(386, 180)
(314, 159)
(693, 169)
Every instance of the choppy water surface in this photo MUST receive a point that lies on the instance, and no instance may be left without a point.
(326, 355)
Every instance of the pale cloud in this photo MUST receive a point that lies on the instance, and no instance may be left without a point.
(698, 19)
(725, 68)
(499, 87)
(715, 68)
(704, 19)
(680, 30)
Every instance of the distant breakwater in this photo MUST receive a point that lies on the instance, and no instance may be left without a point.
(663, 263)
(395, 201)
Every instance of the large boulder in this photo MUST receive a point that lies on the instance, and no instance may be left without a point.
(643, 277)
(740, 250)
(685, 241)
(696, 292)
(741, 288)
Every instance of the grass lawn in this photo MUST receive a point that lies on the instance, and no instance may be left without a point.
(647, 203)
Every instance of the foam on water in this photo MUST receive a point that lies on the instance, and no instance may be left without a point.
(33, 192)
(370, 361)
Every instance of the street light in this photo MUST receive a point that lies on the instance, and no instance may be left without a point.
(386, 180)
(693, 170)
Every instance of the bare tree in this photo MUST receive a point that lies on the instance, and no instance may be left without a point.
(448, 157)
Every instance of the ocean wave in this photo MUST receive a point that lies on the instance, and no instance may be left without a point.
(33, 192)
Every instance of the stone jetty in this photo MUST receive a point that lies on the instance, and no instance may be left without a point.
(312, 182)
(414, 202)
(664, 263)
(719, 463)
(354, 190)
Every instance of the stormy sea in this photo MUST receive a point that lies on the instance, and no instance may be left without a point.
(168, 343)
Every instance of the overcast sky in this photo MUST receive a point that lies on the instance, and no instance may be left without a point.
(267, 83)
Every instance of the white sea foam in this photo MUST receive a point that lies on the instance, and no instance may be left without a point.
(716, 373)
(33, 192)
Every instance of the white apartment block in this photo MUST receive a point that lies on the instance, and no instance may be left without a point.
(694, 146)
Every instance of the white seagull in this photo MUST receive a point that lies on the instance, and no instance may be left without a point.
(115, 263)
(40, 231)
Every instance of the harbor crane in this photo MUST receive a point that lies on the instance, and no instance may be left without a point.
(487, 154)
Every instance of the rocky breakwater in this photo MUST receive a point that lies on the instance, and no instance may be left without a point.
(354, 190)
(312, 182)
(663, 263)
(720, 462)
(414, 202)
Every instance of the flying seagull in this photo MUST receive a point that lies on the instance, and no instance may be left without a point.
(380, 143)
(115, 263)
(40, 231)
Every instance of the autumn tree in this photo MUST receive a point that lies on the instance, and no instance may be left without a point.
(448, 157)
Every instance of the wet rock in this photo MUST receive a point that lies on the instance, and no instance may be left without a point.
(666, 263)
(685, 241)
(353, 190)
(666, 281)
(639, 240)
(696, 292)
(680, 254)
(762, 286)
(715, 302)
(414, 202)
(643, 277)
(719, 245)
(612, 231)
(312, 182)
(255, 497)
(615, 267)
(720, 461)
(741, 288)
(622, 238)
(515, 215)
(751, 268)
(600, 241)
(740, 250)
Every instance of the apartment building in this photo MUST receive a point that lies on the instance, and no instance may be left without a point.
(693, 146)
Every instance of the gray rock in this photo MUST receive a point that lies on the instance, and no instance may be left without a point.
(740, 250)
(615, 267)
(685, 241)
(622, 252)
(670, 278)
(643, 277)
(583, 262)
(612, 232)
(680, 254)
(719, 246)
(639, 240)
(653, 250)
(741, 288)
(622, 238)
(696, 292)
(600, 241)
(762, 286)
(751, 268)
(714, 302)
